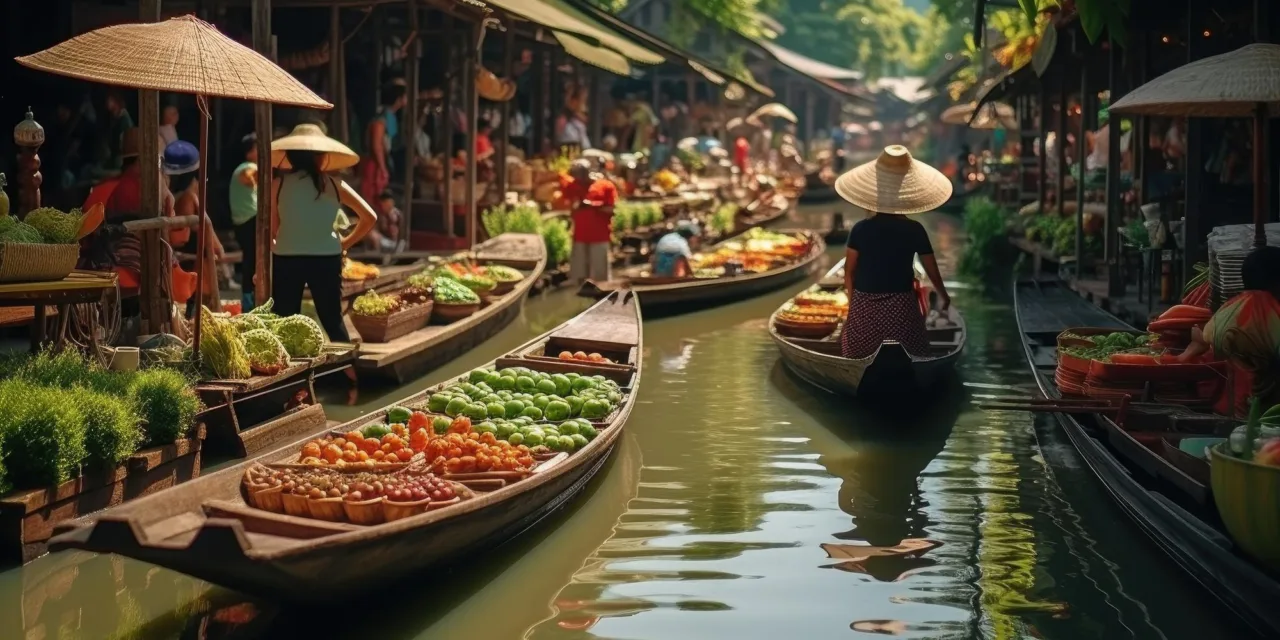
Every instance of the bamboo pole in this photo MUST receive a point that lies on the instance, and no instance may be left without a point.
(335, 63)
(262, 127)
(470, 67)
(447, 113)
(504, 110)
(1080, 165)
(410, 119)
(154, 306)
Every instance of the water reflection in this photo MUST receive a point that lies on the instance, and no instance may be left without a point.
(741, 503)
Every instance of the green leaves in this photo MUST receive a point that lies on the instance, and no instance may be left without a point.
(1103, 16)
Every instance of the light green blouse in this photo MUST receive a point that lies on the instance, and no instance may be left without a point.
(306, 221)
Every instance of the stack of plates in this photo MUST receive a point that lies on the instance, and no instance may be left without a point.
(1224, 275)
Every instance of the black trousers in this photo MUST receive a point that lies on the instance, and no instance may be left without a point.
(247, 237)
(323, 275)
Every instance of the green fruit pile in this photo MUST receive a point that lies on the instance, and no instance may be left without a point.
(569, 435)
(450, 291)
(519, 392)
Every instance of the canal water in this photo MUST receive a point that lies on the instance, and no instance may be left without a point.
(741, 503)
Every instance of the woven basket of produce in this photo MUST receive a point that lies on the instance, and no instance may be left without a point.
(388, 327)
(801, 329)
(446, 313)
(21, 262)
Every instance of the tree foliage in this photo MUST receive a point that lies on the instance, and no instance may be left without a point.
(877, 37)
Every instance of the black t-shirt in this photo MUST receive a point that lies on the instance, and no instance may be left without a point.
(887, 245)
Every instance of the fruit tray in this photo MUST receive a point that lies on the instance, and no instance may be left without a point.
(1085, 332)
(1139, 373)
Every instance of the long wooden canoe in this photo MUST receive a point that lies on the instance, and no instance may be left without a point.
(1187, 532)
(205, 528)
(417, 353)
(890, 369)
(676, 295)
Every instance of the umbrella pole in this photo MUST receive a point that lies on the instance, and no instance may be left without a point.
(1259, 177)
(201, 232)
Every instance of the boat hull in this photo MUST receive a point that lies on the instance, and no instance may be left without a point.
(1203, 552)
(889, 372)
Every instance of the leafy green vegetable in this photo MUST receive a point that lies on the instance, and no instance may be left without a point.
(302, 336)
(111, 428)
(44, 434)
(167, 401)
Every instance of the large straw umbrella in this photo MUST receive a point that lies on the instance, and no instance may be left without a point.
(1241, 84)
(988, 116)
(182, 55)
(775, 110)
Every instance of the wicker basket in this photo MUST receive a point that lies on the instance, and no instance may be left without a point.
(37, 262)
(393, 325)
(446, 313)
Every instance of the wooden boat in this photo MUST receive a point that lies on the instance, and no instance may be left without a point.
(674, 295)
(1145, 484)
(417, 353)
(206, 529)
(817, 359)
(819, 185)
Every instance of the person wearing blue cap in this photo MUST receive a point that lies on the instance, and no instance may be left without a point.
(180, 162)
(673, 253)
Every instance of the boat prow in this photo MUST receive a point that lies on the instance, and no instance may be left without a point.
(206, 528)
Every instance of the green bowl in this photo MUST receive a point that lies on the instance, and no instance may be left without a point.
(1248, 498)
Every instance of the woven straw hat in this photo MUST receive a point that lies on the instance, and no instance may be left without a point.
(775, 110)
(1229, 85)
(335, 156)
(184, 55)
(895, 183)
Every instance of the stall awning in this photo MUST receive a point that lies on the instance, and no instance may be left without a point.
(581, 35)
(808, 66)
(714, 73)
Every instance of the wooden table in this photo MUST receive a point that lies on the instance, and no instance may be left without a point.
(78, 288)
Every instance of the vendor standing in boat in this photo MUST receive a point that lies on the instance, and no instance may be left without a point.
(592, 199)
(1246, 330)
(879, 267)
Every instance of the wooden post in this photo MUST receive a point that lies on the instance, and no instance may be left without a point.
(470, 66)
(1194, 160)
(263, 129)
(595, 107)
(447, 113)
(335, 66)
(155, 308)
(340, 104)
(409, 117)
(1111, 241)
(1081, 149)
(541, 109)
(504, 110)
(1062, 143)
(1042, 186)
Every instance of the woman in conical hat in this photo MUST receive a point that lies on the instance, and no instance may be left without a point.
(879, 268)
(305, 201)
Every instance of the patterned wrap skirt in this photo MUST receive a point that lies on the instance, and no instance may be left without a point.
(876, 317)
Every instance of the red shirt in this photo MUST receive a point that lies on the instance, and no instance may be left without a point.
(591, 223)
(126, 199)
(741, 150)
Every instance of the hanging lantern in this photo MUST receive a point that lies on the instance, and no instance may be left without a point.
(28, 133)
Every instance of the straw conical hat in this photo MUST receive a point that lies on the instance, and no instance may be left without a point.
(184, 55)
(895, 183)
(1229, 85)
(775, 110)
(308, 137)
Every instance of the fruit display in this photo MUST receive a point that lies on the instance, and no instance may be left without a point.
(584, 357)
(816, 297)
(666, 180)
(451, 291)
(236, 347)
(1107, 346)
(372, 303)
(356, 270)
(518, 391)
(758, 251)
(359, 497)
(467, 274)
(812, 314)
(502, 273)
(54, 226)
(446, 445)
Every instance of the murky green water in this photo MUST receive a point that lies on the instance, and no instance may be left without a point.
(740, 504)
